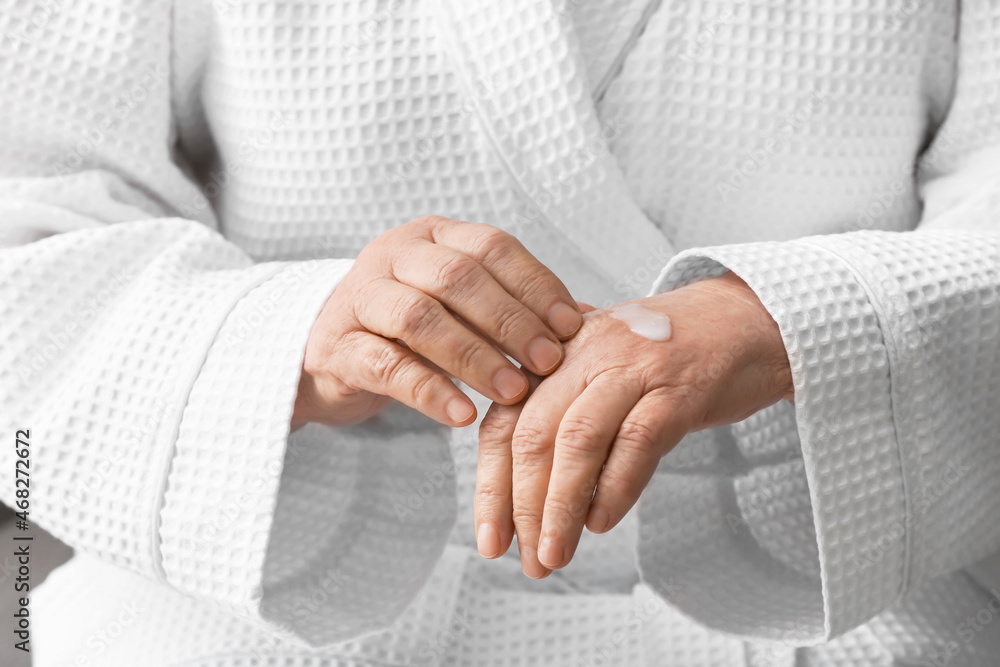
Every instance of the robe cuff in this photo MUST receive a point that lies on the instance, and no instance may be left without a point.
(229, 453)
(318, 536)
(832, 330)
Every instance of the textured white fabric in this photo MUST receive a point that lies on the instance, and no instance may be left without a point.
(183, 183)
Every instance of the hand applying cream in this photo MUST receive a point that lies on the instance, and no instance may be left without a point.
(582, 447)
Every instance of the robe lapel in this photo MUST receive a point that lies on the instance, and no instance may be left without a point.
(541, 119)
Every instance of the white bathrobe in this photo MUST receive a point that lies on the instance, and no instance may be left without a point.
(182, 184)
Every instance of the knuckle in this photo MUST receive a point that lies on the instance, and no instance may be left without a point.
(493, 242)
(492, 236)
(383, 364)
(454, 273)
(510, 321)
(526, 516)
(423, 388)
(495, 428)
(562, 514)
(467, 355)
(535, 285)
(614, 485)
(366, 292)
(529, 440)
(415, 314)
(636, 435)
(365, 298)
(492, 462)
(580, 434)
(337, 347)
(492, 494)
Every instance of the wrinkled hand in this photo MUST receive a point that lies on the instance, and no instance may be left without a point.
(582, 447)
(432, 298)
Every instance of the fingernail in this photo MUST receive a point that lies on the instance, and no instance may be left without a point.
(564, 319)
(460, 410)
(488, 541)
(509, 383)
(544, 354)
(550, 554)
(530, 565)
(599, 520)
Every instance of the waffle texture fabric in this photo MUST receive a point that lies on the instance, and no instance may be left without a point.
(182, 185)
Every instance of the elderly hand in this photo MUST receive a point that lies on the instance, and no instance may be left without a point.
(583, 445)
(432, 298)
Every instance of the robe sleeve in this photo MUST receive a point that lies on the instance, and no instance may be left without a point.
(886, 472)
(153, 365)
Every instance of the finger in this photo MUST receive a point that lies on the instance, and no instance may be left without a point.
(493, 504)
(427, 328)
(582, 443)
(375, 364)
(648, 433)
(531, 452)
(463, 285)
(521, 275)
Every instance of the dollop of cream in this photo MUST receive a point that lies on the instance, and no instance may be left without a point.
(643, 321)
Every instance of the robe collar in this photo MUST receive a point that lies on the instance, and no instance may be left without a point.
(541, 119)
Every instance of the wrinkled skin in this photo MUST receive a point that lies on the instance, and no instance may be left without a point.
(425, 302)
(579, 450)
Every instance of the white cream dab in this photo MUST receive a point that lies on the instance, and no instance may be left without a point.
(643, 321)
